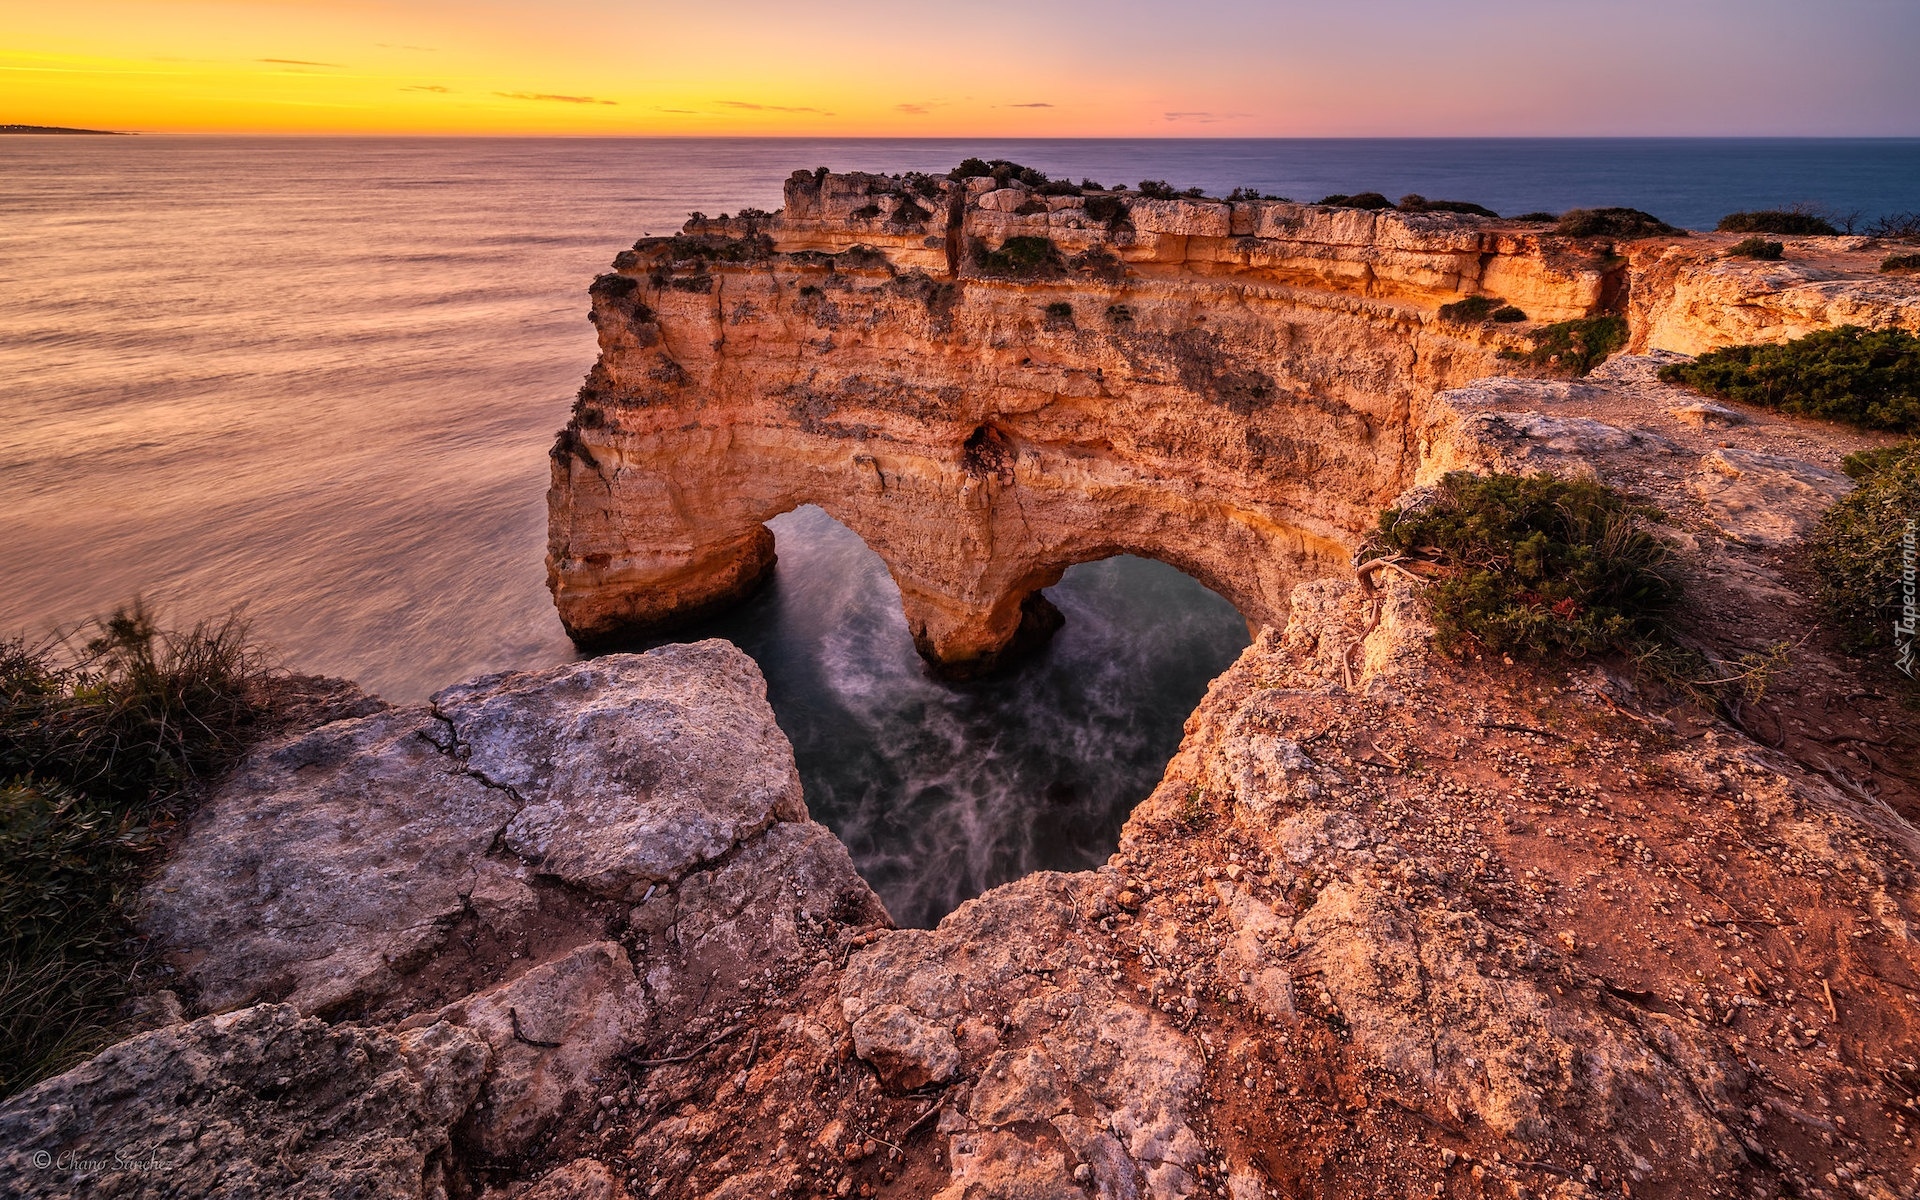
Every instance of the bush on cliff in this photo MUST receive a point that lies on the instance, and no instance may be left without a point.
(1900, 226)
(1534, 565)
(1869, 378)
(99, 754)
(1895, 263)
(1476, 310)
(1415, 203)
(1791, 221)
(1001, 171)
(1611, 222)
(1367, 200)
(1019, 258)
(1756, 247)
(1110, 211)
(1859, 552)
(1572, 347)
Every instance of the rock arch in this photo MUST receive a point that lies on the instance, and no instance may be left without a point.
(1232, 389)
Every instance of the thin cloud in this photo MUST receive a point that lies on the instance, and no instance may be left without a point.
(1204, 118)
(914, 110)
(1035, 104)
(779, 108)
(689, 112)
(426, 87)
(298, 62)
(557, 99)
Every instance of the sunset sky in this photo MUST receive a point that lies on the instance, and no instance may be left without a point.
(1128, 68)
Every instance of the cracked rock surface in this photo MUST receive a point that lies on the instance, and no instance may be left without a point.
(258, 1103)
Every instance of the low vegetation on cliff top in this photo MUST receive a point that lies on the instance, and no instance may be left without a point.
(100, 750)
(1858, 551)
(1533, 565)
(1612, 222)
(1572, 348)
(1802, 222)
(1869, 378)
(1756, 247)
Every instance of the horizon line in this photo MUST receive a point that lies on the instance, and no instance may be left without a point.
(883, 137)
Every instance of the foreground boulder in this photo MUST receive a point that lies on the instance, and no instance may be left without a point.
(500, 899)
(258, 1103)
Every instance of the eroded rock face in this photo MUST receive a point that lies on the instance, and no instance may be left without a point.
(262, 1102)
(1235, 389)
(1223, 387)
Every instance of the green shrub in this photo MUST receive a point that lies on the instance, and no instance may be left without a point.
(908, 214)
(1773, 220)
(1000, 170)
(1538, 218)
(1019, 258)
(1869, 378)
(1900, 262)
(1611, 222)
(860, 256)
(867, 212)
(1414, 203)
(98, 757)
(1060, 310)
(1534, 565)
(1756, 247)
(1857, 553)
(1059, 187)
(1110, 211)
(1475, 309)
(1119, 314)
(1367, 200)
(1157, 189)
(1573, 347)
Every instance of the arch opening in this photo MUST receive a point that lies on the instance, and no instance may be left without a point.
(943, 788)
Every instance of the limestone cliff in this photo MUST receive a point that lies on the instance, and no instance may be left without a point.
(989, 385)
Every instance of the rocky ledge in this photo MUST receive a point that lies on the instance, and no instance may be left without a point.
(1390, 925)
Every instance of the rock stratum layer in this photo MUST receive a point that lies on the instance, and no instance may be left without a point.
(990, 385)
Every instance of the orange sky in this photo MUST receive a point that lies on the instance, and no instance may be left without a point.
(1125, 68)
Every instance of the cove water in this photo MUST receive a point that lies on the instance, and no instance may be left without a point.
(318, 378)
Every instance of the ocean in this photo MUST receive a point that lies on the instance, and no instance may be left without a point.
(317, 378)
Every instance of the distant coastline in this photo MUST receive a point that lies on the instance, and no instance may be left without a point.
(62, 129)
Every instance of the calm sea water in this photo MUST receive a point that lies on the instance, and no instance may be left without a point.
(318, 378)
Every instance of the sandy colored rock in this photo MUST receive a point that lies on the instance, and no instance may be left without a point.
(325, 866)
(555, 1031)
(629, 769)
(256, 1103)
(1765, 500)
(1705, 414)
(581, 1179)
